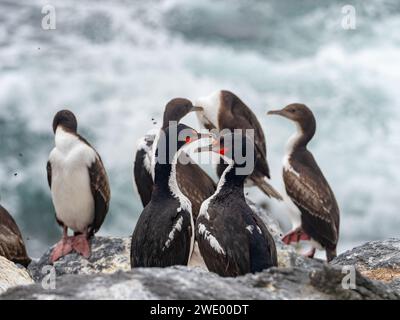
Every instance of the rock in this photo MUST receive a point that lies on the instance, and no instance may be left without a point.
(377, 260)
(12, 275)
(321, 282)
(108, 255)
(107, 275)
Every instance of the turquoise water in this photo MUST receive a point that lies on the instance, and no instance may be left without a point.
(116, 64)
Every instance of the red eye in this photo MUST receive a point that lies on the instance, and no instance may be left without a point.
(188, 139)
(222, 151)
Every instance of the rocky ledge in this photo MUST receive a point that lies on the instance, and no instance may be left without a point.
(108, 256)
(107, 275)
(371, 271)
(12, 275)
(378, 260)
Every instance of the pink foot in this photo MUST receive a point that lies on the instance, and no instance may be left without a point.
(81, 245)
(304, 236)
(295, 236)
(310, 254)
(63, 247)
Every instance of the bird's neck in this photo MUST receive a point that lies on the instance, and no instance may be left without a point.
(65, 140)
(165, 177)
(230, 181)
(162, 175)
(166, 121)
(300, 139)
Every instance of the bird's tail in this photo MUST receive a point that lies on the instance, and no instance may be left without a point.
(267, 188)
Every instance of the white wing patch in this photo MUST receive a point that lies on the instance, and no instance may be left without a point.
(210, 238)
(177, 227)
(250, 228)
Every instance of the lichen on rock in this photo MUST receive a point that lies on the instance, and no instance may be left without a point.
(377, 260)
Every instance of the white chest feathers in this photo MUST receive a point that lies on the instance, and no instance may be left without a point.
(293, 210)
(70, 183)
(289, 150)
(210, 105)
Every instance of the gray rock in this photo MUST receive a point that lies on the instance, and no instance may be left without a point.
(321, 282)
(107, 275)
(108, 255)
(378, 260)
(372, 255)
(12, 275)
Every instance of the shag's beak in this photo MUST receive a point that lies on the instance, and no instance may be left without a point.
(197, 108)
(276, 112)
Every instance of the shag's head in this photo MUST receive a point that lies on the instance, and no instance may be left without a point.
(173, 138)
(176, 109)
(66, 119)
(236, 147)
(298, 113)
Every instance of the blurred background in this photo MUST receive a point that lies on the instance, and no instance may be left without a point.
(115, 64)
